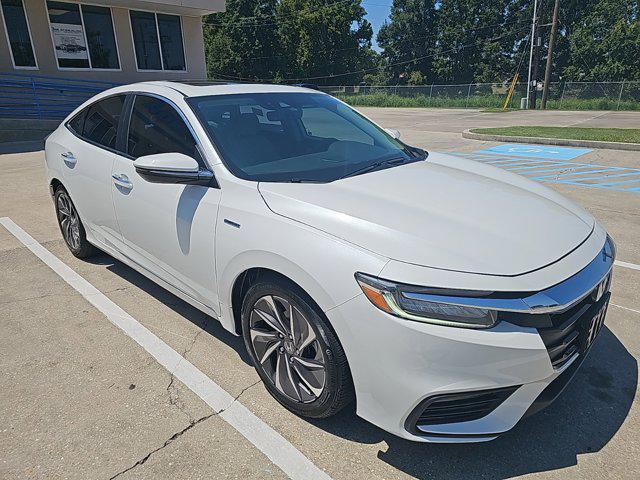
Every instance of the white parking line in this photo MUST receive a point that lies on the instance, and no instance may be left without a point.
(626, 265)
(625, 308)
(268, 441)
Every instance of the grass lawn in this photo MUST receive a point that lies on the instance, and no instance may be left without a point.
(625, 135)
(459, 100)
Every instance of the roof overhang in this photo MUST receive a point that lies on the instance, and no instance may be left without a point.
(193, 8)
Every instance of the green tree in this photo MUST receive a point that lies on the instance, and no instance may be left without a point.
(605, 43)
(515, 34)
(241, 42)
(571, 13)
(321, 40)
(409, 39)
(476, 41)
(424, 41)
(377, 73)
(416, 78)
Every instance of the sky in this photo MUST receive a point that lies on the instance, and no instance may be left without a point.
(377, 13)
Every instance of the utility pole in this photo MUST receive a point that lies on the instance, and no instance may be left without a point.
(534, 20)
(552, 41)
(536, 56)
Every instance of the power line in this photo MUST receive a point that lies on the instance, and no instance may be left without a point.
(298, 79)
(243, 20)
(475, 30)
(412, 39)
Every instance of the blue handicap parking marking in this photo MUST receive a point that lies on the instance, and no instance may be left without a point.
(522, 162)
(536, 151)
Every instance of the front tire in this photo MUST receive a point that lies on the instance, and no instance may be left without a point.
(71, 226)
(294, 350)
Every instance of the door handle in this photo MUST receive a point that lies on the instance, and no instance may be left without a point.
(121, 180)
(69, 158)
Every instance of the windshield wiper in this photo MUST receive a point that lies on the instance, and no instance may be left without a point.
(304, 180)
(420, 154)
(375, 166)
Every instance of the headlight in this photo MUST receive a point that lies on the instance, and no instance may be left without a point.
(421, 304)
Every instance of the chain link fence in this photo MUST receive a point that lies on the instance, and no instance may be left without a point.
(562, 95)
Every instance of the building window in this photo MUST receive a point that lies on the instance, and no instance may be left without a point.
(83, 36)
(17, 29)
(102, 42)
(171, 42)
(145, 39)
(68, 35)
(157, 40)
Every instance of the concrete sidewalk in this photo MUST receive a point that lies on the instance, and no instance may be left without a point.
(458, 120)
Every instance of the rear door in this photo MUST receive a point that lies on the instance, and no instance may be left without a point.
(87, 153)
(168, 229)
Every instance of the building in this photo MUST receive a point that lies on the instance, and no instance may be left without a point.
(105, 40)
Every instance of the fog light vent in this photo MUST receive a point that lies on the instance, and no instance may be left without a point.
(459, 407)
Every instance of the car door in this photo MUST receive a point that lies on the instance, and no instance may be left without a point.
(87, 154)
(168, 229)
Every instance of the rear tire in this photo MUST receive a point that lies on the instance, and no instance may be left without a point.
(301, 362)
(71, 226)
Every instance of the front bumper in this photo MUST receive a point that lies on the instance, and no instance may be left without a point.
(399, 367)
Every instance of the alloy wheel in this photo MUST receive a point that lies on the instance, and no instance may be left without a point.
(287, 349)
(69, 221)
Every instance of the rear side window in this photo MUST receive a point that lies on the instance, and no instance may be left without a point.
(101, 123)
(77, 122)
(156, 127)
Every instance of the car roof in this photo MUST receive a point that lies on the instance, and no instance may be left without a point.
(199, 90)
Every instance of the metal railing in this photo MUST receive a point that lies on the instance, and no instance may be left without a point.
(42, 97)
(562, 95)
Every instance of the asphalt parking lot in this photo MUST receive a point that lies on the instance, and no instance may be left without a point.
(80, 398)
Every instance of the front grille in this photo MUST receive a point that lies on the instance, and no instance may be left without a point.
(573, 330)
(459, 407)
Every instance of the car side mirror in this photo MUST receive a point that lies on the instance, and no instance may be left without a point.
(173, 168)
(393, 132)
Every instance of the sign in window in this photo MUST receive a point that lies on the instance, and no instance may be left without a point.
(157, 40)
(83, 36)
(17, 28)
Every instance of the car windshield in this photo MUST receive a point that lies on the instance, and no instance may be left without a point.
(296, 137)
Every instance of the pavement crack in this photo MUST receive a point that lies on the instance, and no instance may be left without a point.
(172, 389)
(237, 397)
(165, 444)
(245, 389)
(119, 289)
(192, 344)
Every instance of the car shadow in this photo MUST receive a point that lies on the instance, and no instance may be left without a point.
(582, 420)
(190, 198)
(209, 324)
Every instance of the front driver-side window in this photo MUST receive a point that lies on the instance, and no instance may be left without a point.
(156, 127)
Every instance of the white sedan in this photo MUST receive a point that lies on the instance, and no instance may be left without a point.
(448, 298)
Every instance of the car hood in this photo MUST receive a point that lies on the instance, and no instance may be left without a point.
(446, 212)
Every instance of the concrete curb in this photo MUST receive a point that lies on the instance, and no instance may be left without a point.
(552, 141)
